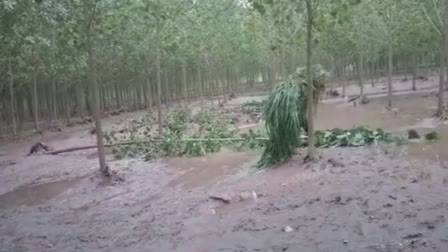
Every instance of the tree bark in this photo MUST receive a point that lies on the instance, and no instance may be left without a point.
(389, 75)
(440, 103)
(184, 83)
(360, 74)
(11, 94)
(148, 87)
(104, 169)
(35, 102)
(201, 88)
(159, 91)
(414, 73)
(309, 58)
(54, 100)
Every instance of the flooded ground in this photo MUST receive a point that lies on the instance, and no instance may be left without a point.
(354, 199)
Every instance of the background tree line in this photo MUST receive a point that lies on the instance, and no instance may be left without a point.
(147, 53)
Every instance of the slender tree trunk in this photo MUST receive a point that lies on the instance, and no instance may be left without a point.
(11, 96)
(414, 72)
(68, 108)
(54, 100)
(440, 103)
(389, 75)
(184, 83)
(360, 74)
(159, 91)
(82, 101)
(148, 87)
(309, 58)
(35, 102)
(104, 169)
(446, 57)
(167, 93)
(201, 88)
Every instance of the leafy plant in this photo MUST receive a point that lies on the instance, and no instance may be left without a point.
(359, 136)
(284, 114)
(252, 140)
(433, 135)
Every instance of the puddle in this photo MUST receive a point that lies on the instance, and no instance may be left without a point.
(31, 195)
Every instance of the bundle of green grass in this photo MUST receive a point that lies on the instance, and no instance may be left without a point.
(285, 115)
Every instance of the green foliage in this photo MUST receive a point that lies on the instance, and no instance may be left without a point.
(183, 135)
(320, 78)
(252, 140)
(171, 143)
(431, 136)
(253, 107)
(284, 115)
(413, 134)
(138, 132)
(353, 137)
(210, 127)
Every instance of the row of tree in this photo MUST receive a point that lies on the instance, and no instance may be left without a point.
(62, 59)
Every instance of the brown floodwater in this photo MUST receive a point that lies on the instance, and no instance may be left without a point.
(194, 171)
(407, 111)
(31, 195)
(436, 150)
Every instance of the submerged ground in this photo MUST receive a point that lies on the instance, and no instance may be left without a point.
(379, 198)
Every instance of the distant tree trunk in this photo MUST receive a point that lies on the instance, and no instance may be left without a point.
(104, 169)
(35, 102)
(54, 100)
(360, 74)
(184, 83)
(414, 72)
(68, 107)
(148, 87)
(159, 91)
(309, 58)
(389, 75)
(446, 57)
(11, 95)
(81, 101)
(440, 103)
(343, 78)
(201, 88)
(167, 93)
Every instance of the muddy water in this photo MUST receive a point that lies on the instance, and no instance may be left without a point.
(435, 150)
(407, 111)
(410, 112)
(31, 195)
(194, 171)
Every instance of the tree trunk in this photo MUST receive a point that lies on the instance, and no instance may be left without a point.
(159, 92)
(184, 83)
(446, 59)
(11, 94)
(201, 88)
(360, 74)
(148, 87)
(35, 102)
(414, 72)
(440, 103)
(309, 58)
(104, 169)
(54, 100)
(389, 75)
